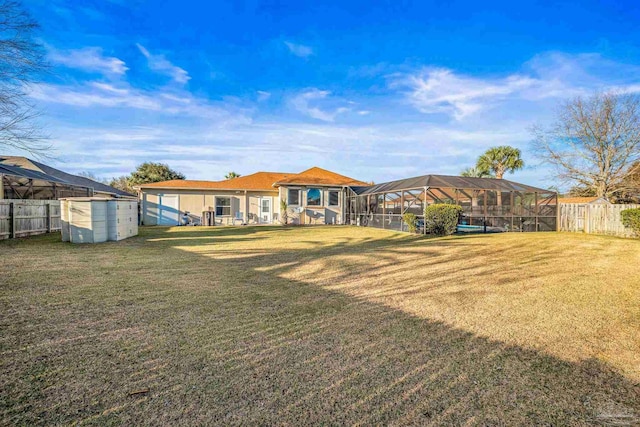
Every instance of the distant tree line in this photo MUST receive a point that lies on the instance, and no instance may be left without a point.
(145, 173)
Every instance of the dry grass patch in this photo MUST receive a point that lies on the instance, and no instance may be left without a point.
(321, 325)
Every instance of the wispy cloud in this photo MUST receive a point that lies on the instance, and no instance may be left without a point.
(89, 59)
(103, 95)
(263, 95)
(126, 124)
(302, 101)
(565, 75)
(367, 151)
(299, 50)
(439, 90)
(548, 75)
(162, 65)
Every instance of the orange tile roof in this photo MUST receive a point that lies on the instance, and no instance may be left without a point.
(255, 181)
(319, 176)
(578, 199)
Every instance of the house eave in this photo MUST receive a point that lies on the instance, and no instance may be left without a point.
(202, 188)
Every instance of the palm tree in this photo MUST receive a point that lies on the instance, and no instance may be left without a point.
(500, 160)
(231, 175)
(284, 215)
(476, 173)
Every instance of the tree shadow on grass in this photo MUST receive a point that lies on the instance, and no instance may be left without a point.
(219, 341)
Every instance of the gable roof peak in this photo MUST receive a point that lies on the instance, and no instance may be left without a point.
(319, 176)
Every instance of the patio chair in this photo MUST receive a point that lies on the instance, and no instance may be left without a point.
(238, 217)
(316, 216)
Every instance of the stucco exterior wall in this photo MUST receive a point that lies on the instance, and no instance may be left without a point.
(246, 206)
(196, 201)
(310, 215)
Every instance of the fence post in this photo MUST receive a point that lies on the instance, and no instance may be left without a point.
(48, 209)
(12, 221)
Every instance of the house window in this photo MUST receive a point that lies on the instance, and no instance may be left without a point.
(223, 206)
(334, 198)
(293, 197)
(314, 197)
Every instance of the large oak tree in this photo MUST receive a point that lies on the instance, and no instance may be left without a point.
(153, 172)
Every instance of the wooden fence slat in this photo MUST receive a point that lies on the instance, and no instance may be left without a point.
(594, 218)
(28, 217)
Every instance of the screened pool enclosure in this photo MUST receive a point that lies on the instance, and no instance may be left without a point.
(488, 204)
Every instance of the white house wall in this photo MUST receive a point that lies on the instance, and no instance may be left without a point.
(245, 206)
(314, 214)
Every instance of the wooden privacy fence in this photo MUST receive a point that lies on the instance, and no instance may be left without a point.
(20, 218)
(594, 219)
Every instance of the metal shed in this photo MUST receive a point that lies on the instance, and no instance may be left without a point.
(498, 204)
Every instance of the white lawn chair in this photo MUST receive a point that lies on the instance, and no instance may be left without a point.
(238, 217)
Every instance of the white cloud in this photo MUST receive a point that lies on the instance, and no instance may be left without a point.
(98, 94)
(379, 152)
(563, 75)
(162, 65)
(94, 95)
(109, 88)
(202, 136)
(87, 59)
(302, 101)
(263, 96)
(299, 50)
(548, 75)
(439, 90)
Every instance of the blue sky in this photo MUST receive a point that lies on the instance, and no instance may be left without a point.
(374, 90)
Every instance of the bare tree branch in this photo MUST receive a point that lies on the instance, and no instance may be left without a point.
(594, 142)
(21, 62)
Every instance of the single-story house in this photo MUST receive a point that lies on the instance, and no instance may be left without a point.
(23, 178)
(319, 196)
(314, 196)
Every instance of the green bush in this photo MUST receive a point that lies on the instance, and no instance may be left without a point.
(412, 222)
(442, 219)
(631, 218)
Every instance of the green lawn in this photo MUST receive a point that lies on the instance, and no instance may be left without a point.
(326, 325)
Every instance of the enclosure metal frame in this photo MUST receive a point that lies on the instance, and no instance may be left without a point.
(22, 187)
(514, 206)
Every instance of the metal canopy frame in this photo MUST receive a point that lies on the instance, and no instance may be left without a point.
(501, 205)
(23, 187)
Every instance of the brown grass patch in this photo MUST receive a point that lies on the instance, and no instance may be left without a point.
(321, 325)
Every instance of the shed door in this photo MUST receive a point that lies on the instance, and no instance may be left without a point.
(168, 213)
